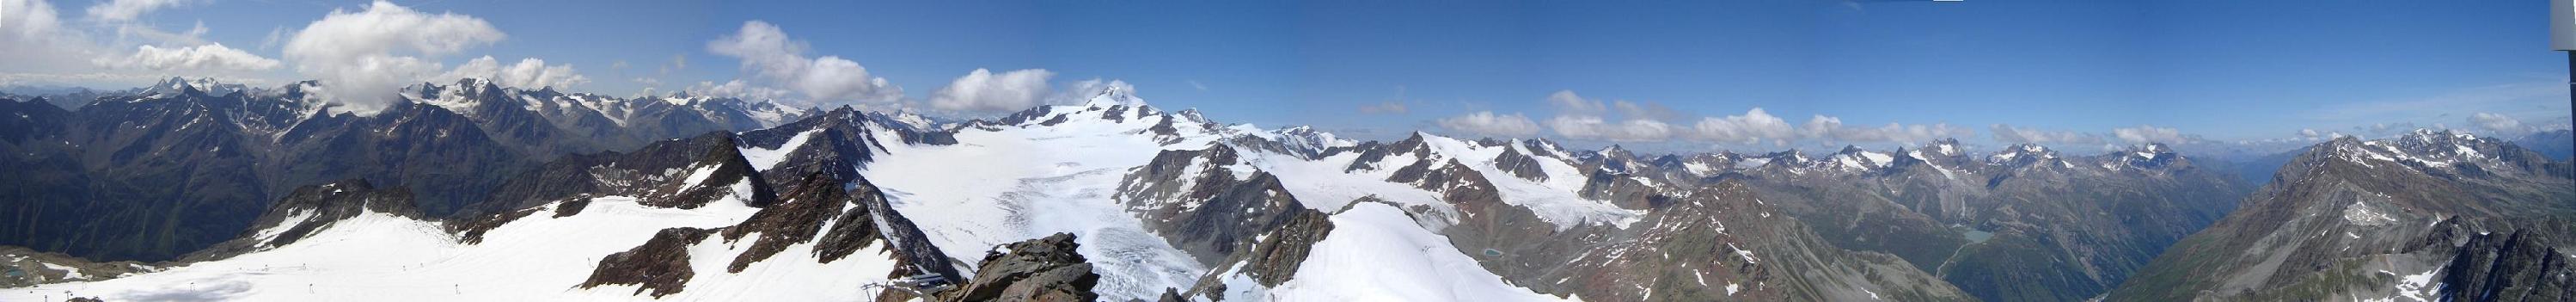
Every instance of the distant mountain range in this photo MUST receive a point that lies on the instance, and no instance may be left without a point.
(228, 192)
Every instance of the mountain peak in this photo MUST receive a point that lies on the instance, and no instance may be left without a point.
(1116, 93)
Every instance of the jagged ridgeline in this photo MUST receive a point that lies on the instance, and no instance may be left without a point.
(155, 172)
(2428, 216)
(478, 192)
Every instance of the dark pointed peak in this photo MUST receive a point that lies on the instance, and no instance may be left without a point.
(1851, 149)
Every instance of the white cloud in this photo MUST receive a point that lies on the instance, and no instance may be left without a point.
(1082, 91)
(1752, 127)
(32, 38)
(2014, 135)
(365, 56)
(275, 35)
(2143, 134)
(1567, 102)
(201, 57)
(127, 10)
(1582, 118)
(737, 89)
(1592, 127)
(984, 91)
(1831, 128)
(1489, 124)
(2497, 124)
(770, 55)
(1389, 107)
(528, 73)
(1195, 84)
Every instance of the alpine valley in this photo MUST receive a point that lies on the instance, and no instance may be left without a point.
(193, 189)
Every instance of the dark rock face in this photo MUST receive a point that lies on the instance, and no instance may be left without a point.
(2514, 268)
(659, 174)
(855, 210)
(796, 219)
(660, 266)
(1044, 269)
(1216, 214)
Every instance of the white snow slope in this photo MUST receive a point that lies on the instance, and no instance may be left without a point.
(996, 185)
(1376, 253)
(379, 257)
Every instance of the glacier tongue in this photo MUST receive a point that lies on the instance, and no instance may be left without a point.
(1013, 184)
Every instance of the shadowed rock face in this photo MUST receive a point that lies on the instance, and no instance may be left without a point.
(2509, 268)
(659, 174)
(1044, 269)
(856, 210)
(153, 175)
(660, 266)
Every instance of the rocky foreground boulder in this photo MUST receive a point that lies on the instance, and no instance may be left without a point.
(1044, 269)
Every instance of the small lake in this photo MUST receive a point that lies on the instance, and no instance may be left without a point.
(1975, 236)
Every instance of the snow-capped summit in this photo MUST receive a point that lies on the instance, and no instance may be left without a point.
(1304, 137)
(2436, 150)
(1855, 158)
(1116, 93)
(2022, 154)
(178, 85)
(1942, 148)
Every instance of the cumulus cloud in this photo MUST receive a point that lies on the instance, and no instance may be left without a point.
(2016, 135)
(2143, 134)
(32, 38)
(771, 56)
(736, 89)
(1579, 117)
(1489, 124)
(1585, 118)
(1593, 127)
(201, 57)
(127, 10)
(529, 73)
(984, 91)
(365, 56)
(1567, 102)
(1831, 128)
(1752, 127)
(2497, 124)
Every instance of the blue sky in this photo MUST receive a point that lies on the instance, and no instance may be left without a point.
(2216, 73)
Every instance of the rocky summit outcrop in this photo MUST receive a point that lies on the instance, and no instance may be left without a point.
(837, 218)
(1043, 269)
(660, 266)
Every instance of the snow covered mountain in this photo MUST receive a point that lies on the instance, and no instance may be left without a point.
(2428, 216)
(1161, 204)
(1115, 199)
(180, 165)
